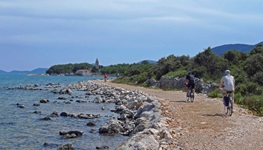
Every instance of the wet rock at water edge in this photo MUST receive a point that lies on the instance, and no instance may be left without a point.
(68, 102)
(64, 114)
(81, 101)
(44, 101)
(37, 112)
(102, 147)
(91, 124)
(71, 134)
(54, 114)
(66, 91)
(36, 104)
(92, 131)
(20, 105)
(66, 147)
(46, 118)
(62, 98)
(50, 145)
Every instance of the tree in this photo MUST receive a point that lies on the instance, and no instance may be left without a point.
(253, 64)
(233, 56)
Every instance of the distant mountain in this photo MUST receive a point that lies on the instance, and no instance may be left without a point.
(35, 71)
(1, 71)
(39, 71)
(220, 50)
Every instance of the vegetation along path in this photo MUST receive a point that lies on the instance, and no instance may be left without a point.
(203, 125)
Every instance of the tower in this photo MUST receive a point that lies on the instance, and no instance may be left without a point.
(97, 63)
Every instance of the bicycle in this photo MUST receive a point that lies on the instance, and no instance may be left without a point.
(228, 108)
(190, 95)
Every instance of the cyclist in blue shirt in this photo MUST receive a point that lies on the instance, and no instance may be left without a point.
(190, 82)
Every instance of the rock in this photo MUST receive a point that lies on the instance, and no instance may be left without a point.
(134, 105)
(54, 114)
(62, 98)
(141, 141)
(81, 101)
(178, 83)
(46, 118)
(91, 124)
(102, 147)
(21, 106)
(55, 91)
(36, 104)
(113, 127)
(71, 134)
(66, 91)
(64, 114)
(98, 99)
(37, 112)
(66, 147)
(68, 102)
(44, 101)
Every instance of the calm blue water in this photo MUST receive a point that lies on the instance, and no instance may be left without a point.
(23, 129)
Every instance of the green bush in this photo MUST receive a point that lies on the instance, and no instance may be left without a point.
(255, 103)
(215, 94)
(239, 99)
(179, 73)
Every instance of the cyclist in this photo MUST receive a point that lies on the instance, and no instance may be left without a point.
(227, 84)
(190, 83)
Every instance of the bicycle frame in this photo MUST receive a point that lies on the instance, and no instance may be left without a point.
(191, 95)
(228, 104)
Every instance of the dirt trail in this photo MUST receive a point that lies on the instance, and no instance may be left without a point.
(202, 125)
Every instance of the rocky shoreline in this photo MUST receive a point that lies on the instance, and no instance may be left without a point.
(139, 115)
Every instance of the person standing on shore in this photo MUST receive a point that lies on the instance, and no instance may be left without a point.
(105, 77)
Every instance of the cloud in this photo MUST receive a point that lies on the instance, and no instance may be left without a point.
(107, 21)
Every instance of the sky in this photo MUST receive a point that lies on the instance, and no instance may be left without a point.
(41, 33)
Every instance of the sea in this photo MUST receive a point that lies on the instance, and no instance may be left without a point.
(22, 129)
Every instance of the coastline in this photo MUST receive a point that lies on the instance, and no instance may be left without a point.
(155, 136)
(144, 118)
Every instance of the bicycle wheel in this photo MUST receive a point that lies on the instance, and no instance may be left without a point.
(226, 109)
(230, 109)
(192, 96)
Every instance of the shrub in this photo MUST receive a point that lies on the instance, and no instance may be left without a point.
(255, 103)
(215, 94)
(179, 73)
(239, 99)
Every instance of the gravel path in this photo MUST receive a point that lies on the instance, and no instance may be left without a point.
(203, 125)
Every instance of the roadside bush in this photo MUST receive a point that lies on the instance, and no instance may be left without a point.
(239, 99)
(242, 89)
(249, 88)
(140, 78)
(179, 73)
(255, 103)
(215, 94)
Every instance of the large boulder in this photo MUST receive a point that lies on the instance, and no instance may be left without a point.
(145, 140)
(113, 127)
(178, 83)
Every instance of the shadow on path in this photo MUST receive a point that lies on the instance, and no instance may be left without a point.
(214, 115)
(181, 101)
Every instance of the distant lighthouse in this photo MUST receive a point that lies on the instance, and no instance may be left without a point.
(97, 63)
